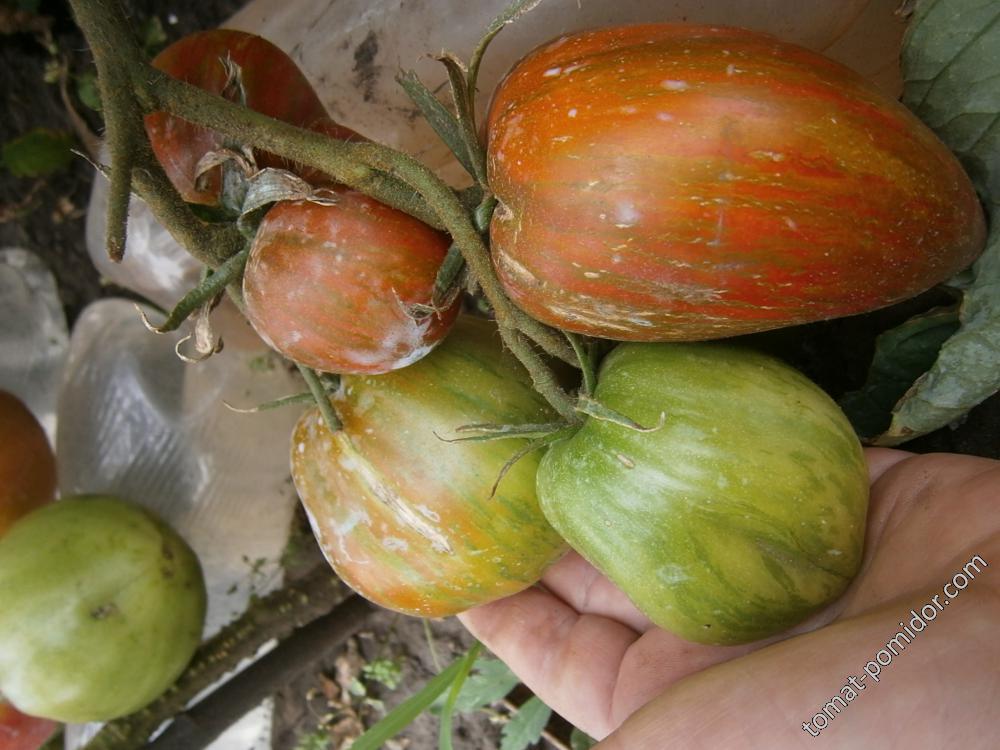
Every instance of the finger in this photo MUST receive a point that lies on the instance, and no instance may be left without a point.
(585, 589)
(763, 700)
(592, 670)
(569, 660)
(882, 459)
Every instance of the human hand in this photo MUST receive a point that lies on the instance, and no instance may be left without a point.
(580, 644)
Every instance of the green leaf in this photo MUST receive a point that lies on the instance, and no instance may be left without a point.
(491, 681)
(87, 91)
(38, 152)
(508, 15)
(443, 122)
(462, 95)
(580, 740)
(951, 69)
(448, 711)
(396, 720)
(152, 34)
(901, 356)
(525, 727)
(388, 672)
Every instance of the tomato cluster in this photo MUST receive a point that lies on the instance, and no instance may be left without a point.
(336, 283)
(658, 183)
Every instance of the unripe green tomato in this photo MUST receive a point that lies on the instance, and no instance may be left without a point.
(101, 607)
(737, 518)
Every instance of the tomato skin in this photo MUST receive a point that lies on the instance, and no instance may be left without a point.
(674, 182)
(103, 607)
(326, 285)
(740, 516)
(273, 85)
(27, 464)
(19, 731)
(406, 518)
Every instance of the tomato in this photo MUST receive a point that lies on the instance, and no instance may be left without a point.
(674, 182)
(21, 732)
(328, 285)
(103, 606)
(405, 518)
(27, 465)
(273, 86)
(741, 515)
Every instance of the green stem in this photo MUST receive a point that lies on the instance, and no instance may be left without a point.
(122, 120)
(466, 236)
(212, 244)
(321, 397)
(586, 362)
(387, 175)
(207, 290)
(332, 157)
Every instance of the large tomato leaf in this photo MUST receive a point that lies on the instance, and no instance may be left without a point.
(901, 355)
(951, 69)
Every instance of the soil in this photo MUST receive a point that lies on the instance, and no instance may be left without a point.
(46, 216)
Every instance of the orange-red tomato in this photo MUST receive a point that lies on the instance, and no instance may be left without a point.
(329, 286)
(22, 732)
(681, 182)
(27, 465)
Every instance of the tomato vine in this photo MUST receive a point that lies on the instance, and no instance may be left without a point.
(131, 88)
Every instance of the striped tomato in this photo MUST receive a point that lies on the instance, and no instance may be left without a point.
(272, 85)
(331, 286)
(741, 515)
(673, 182)
(405, 518)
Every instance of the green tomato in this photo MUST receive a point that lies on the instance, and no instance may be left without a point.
(102, 608)
(741, 515)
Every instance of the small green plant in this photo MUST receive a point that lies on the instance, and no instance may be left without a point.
(387, 672)
(318, 739)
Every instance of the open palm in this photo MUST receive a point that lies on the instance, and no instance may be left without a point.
(582, 646)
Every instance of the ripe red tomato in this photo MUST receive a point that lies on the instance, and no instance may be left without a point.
(328, 285)
(273, 85)
(681, 182)
(27, 465)
(405, 518)
(22, 732)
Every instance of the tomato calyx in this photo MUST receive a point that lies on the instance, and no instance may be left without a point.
(594, 408)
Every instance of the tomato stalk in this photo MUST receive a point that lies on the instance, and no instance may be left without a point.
(321, 397)
(210, 288)
(584, 354)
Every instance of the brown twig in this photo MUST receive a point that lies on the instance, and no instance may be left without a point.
(200, 725)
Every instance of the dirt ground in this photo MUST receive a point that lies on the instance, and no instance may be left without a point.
(46, 215)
